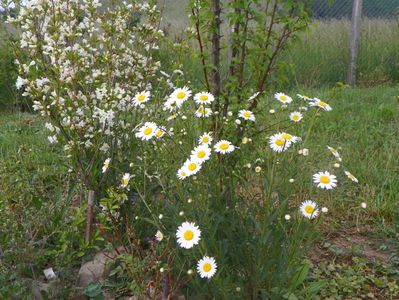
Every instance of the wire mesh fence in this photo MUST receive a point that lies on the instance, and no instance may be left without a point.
(322, 54)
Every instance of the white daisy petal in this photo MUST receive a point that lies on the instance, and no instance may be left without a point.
(325, 180)
(283, 98)
(309, 209)
(224, 147)
(188, 235)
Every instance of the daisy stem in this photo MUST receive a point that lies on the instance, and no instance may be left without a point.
(271, 182)
(310, 127)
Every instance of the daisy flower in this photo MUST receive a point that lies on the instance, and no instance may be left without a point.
(204, 98)
(309, 209)
(160, 132)
(201, 153)
(296, 116)
(278, 143)
(191, 167)
(171, 105)
(125, 180)
(334, 152)
(159, 236)
(325, 180)
(290, 138)
(106, 164)
(141, 98)
(203, 112)
(351, 177)
(205, 139)
(224, 147)
(317, 102)
(246, 115)
(147, 131)
(283, 98)
(303, 97)
(182, 173)
(188, 235)
(206, 267)
(180, 95)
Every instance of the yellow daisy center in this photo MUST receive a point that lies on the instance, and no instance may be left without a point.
(309, 209)
(322, 104)
(280, 142)
(125, 181)
(224, 146)
(147, 131)
(287, 136)
(205, 139)
(325, 179)
(192, 166)
(181, 95)
(207, 267)
(204, 98)
(247, 114)
(141, 98)
(159, 133)
(283, 98)
(296, 118)
(183, 174)
(188, 235)
(201, 154)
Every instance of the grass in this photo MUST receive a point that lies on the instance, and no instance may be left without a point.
(321, 56)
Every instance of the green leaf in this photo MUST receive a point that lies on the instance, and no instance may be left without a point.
(299, 276)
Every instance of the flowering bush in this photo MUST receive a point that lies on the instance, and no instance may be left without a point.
(194, 185)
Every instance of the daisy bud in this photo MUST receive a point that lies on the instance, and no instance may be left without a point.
(189, 200)
(272, 111)
(363, 205)
(305, 152)
(160, 216)
(245, 140)
(159, 236)
(287, 217)
(237, 121)
(291, 180)
(337, 165)
(238, 289)
(248, 165)
(161, 270)
(190, 272)
(258, 169)
(300, 152)
(324, 209)
(181, 213)
(284, 106)
(136, 217)
(250, 140)
(230, 114)
(131, 165)
(184, 117)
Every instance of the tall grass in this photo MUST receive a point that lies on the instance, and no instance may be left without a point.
(321, 55)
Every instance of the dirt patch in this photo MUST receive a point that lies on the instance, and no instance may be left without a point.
(345, 245)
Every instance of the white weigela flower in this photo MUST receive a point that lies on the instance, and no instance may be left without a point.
(188, 235)
(147, 131)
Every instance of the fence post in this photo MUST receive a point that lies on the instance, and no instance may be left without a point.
(354, 40)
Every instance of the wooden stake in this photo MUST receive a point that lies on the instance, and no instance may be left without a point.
(89, 215)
